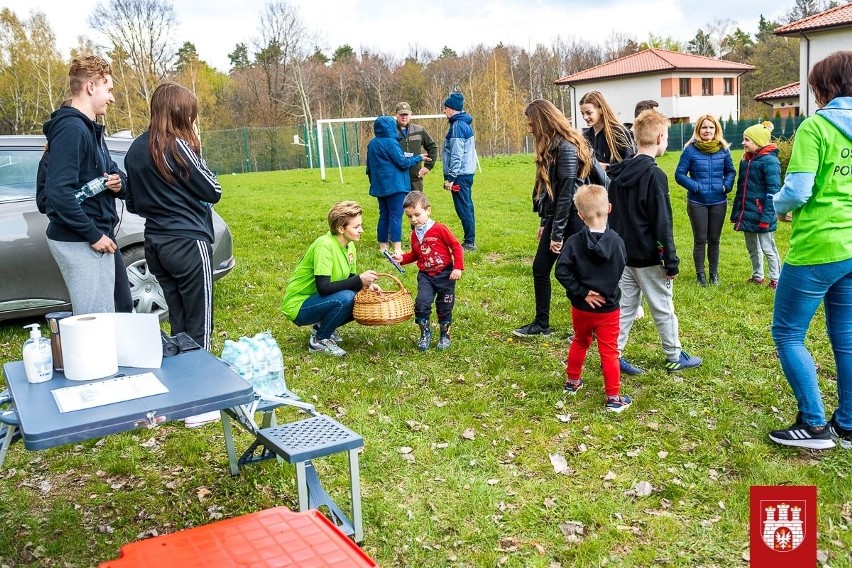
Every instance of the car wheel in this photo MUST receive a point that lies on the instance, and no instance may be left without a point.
(146, 291)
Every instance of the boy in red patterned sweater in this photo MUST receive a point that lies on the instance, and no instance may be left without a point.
(440, 260)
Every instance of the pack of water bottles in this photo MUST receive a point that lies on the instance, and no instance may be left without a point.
(259, 361)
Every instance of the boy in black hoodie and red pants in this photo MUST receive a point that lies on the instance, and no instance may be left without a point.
(642, 216)
(590, 266)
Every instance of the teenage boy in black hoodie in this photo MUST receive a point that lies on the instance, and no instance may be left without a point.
(80, 234)
(590, 266)
(642, 216)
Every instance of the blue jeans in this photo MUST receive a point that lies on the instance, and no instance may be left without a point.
(330, 312)
(389, 227)
(463, 202)
(801, 289)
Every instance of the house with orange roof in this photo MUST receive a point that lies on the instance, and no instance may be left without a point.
(685, 85)
(783, 100)
(819, 36)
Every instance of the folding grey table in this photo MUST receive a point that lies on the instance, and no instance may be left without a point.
(197, 382)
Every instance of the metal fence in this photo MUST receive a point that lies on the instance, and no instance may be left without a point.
(243, 150)
(679, 134)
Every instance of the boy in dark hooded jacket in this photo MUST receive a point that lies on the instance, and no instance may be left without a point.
(589, 267)
(80, 233)
(642, 216)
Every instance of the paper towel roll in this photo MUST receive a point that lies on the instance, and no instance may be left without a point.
(88, 347)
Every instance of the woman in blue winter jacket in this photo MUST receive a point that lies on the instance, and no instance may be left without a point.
(387, 170)
(707, 172)
(753, 212)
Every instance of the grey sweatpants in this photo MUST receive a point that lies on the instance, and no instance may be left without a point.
(652, 282)
(89, 276)
(757, 243)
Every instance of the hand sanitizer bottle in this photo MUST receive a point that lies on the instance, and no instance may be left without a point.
(38, 358)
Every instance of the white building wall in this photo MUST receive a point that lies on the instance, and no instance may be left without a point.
(622, 94)
(817, 46)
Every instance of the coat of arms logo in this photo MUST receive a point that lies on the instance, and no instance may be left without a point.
(783, 524)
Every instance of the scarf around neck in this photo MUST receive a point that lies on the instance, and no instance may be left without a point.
(709, 147)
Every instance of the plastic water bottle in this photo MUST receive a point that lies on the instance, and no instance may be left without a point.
(275, 364)
(92, 188)
(242, 361)
(257, 353)
(229, 352)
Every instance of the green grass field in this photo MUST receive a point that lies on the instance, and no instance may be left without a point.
(457, 470)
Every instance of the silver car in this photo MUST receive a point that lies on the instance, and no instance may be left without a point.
(30, 281)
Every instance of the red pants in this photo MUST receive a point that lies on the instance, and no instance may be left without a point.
(587, 325)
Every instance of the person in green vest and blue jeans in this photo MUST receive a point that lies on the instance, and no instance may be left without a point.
(321, 291)
(818, 267)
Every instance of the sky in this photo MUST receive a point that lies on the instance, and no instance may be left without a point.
(398, 28)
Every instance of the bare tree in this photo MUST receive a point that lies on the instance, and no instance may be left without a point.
(142, 30)
(282, 39)
(717, 31)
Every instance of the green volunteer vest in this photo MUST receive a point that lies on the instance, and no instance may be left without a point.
(325, 257)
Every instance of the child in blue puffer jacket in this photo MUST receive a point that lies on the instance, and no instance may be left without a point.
(753, 212)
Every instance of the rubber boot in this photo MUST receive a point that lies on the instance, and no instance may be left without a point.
(425, 334)
(444, 340)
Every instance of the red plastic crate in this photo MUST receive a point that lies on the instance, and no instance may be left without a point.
(275, 537)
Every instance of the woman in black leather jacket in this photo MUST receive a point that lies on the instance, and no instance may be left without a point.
(563, 160)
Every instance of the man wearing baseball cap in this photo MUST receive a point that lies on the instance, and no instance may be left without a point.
(414, 141)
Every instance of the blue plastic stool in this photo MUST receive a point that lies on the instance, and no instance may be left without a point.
(300, 442)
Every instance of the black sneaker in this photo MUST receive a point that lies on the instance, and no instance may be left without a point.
(843, 436)
(469, 247)
(571, 386)
(800, 435)
(532, 329)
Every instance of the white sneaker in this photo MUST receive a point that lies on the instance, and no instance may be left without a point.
(202, 419)
(325, 346)
(640, 313)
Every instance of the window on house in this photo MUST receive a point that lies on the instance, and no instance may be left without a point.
(684, 87)
(729, 86)
(706, 87)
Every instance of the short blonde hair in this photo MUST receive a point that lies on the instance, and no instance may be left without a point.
(87, 68)
(592, 201)
(341, 213)
(648, 125)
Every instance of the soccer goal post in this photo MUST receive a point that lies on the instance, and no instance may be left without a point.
(324, 124)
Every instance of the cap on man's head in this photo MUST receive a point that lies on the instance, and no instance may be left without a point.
(403, 108)
(455, 101)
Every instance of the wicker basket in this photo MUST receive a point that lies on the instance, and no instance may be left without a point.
(387, 308)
